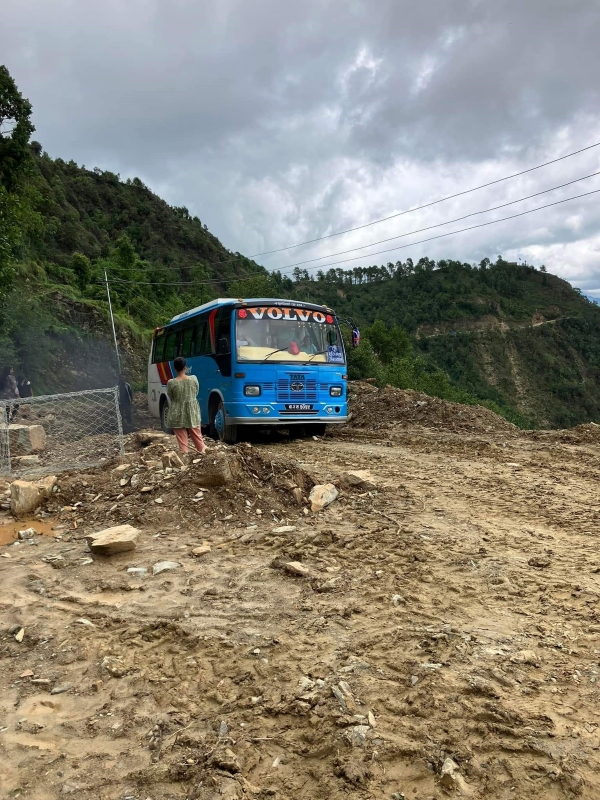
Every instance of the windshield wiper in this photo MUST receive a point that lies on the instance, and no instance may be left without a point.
(320, 353)
(272, 353)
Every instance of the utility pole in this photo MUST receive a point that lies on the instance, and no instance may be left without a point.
(112, 322)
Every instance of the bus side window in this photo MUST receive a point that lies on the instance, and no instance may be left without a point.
(159, 349)
(202, 343)
(187, 341)
(171, 346)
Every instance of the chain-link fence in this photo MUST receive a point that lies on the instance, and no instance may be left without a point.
(57, 432)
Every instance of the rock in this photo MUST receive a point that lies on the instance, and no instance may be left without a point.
(121, 468)
(348, 696)
(26, 496)
(371, 718)
(47, 485)
(171, 459)
(357, 736)
(296, 568)
(526, 657)
(27, 461)
(138, 572)
(448, 773)
(163, 566)
(322, 495)
(148, 437)
(61, 689)
(226, 759)
(297, 495)
(223, 729)
(159, 501)
(539, 562)
(20, 634)
(202, 550)
(27, 438)
(483, 686)
(212, 471)
(27, 674)
(119, 539)
(358, 479)
(28, 533)
(284, 529)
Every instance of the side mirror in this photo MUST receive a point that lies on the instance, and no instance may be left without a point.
(355, 337)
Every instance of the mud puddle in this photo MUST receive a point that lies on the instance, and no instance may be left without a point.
(9, 529)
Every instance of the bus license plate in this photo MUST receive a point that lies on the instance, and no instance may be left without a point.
(298, 406)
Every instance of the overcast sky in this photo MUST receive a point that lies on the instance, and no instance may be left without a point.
(277, 122)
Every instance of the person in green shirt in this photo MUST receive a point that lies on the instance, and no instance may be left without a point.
(184, 411)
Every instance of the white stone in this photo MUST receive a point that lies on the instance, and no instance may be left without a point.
(26, 496)
(109, 541)
(25, 439)
(138, 572)
(284, 529)
(322, 495)
(297, 569)
(358, 479)
(163, 566)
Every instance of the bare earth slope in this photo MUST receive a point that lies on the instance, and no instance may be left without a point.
(451, 613)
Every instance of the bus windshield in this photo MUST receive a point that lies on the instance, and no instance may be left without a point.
(287, 334)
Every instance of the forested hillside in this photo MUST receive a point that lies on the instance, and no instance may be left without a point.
(513, 337)
(504, 332)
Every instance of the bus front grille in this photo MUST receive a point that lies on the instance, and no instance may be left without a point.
(307, 393)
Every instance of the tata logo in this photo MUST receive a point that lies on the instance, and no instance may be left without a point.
(296, 386)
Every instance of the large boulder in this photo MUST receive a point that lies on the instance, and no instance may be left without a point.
(26, 439)
(113, 540)
(321, 496)
(212, 470)
(26, 496)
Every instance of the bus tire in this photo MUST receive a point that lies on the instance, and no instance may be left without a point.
(164, 417)
(223, 431)
(315, 428)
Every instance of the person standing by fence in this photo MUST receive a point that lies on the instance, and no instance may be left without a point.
(125, 399)
(24, 386)
(9, 390)
(184, 411)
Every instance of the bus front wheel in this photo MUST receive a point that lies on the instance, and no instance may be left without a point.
(220, 428)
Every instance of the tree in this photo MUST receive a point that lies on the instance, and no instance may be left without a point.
(80, 264)
(15, 131)
(388, 342)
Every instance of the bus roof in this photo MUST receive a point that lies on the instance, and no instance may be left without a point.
(245, 301)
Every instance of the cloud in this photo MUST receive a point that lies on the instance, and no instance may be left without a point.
(277, 123)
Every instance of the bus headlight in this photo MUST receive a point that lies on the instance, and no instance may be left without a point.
(335, 391)
(252, 391)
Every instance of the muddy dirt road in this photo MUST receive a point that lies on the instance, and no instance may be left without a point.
(437, 635)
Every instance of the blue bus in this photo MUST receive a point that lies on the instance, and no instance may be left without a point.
(260, 361)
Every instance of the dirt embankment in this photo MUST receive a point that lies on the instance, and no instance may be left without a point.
(433, 632)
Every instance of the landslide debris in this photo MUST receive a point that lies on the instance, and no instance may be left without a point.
(375, 409)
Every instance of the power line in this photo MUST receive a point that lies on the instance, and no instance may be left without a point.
(426, 205)
(410, 233)
(390, 249)
(440, 224)
(462, 230)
